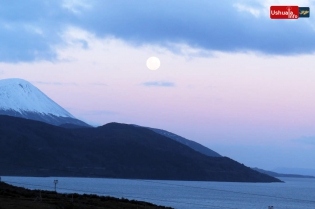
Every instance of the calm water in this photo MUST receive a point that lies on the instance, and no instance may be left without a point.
(295, 193)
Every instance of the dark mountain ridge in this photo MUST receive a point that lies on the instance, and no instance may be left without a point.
(46, 118)
(192, 144)
(32, 148)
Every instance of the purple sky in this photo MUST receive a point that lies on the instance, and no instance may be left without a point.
(236, 81)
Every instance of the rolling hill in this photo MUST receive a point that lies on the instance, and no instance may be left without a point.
(33, 148)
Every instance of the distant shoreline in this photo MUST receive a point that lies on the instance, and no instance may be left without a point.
(275, 174)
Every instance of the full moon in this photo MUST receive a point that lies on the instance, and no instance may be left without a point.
(153, 63)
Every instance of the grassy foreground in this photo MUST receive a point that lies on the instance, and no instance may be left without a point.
(12, 197)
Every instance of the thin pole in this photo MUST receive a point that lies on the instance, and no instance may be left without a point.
(55, 182)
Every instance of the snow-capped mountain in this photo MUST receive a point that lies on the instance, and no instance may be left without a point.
(20, 98)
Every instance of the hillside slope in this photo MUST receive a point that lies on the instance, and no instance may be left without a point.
(32, 148)
(192, 144)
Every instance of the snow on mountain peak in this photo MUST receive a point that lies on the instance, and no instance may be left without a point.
(21, 96)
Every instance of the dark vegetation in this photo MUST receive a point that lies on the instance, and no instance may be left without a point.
(32, 148)
(12, 197)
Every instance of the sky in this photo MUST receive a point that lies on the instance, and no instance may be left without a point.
(230, 78)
